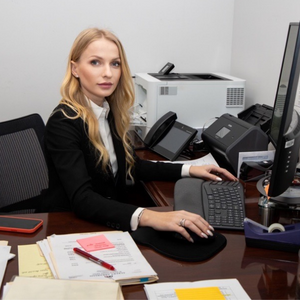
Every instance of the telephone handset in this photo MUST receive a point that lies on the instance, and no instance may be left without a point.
(169, 138)
(160, 129)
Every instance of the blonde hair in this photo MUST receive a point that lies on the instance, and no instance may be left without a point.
(120, 101)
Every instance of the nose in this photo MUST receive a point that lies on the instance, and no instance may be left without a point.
(107, 70)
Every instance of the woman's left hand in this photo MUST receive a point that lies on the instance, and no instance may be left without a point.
(211, 172)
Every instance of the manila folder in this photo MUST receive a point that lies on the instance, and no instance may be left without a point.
(49, 289)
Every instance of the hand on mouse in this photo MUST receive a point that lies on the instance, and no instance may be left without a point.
(177, 221)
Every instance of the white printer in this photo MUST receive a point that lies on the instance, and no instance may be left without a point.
(196, 98)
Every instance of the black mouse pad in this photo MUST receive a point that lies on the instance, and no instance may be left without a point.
(165, 242)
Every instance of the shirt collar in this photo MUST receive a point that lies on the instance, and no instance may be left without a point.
(99, 110)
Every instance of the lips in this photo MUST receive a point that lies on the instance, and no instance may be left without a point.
(105, 85)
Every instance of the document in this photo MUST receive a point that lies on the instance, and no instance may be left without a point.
(45, 249)
(130, 265)
(254, 156)
(208, 159)
(50, 289)
(229, 289)
(4, 256)
(32, 262)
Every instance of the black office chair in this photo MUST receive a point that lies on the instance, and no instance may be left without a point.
(23, 169)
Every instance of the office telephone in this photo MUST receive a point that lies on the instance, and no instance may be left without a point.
(168, 137)
(160, 128)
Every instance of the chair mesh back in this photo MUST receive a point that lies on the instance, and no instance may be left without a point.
(23, 170)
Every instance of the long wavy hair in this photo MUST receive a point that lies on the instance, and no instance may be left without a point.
(120, 101)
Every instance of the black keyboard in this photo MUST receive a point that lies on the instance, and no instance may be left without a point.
(224, 204)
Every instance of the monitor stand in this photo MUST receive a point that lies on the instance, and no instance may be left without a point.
(289, 200)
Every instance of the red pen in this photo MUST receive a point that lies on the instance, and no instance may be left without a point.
(94, 259)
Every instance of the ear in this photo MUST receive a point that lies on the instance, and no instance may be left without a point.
(74, 69)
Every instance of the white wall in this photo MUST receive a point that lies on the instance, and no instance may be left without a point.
(36, 36)
(259, 35)
(243, 38)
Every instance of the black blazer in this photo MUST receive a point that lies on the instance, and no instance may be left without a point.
(77, 184)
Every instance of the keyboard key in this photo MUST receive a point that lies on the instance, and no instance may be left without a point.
(224, 204)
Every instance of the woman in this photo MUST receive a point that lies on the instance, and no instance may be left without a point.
(88, 151)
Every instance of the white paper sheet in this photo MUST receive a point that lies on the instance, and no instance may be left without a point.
(230, 288)
(4, 256)
(44, 247)
(254, 156)
(208, 159)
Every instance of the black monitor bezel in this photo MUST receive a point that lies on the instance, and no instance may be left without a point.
(286, 155)
(289, 99)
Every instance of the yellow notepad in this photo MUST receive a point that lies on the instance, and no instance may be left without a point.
(32, 262)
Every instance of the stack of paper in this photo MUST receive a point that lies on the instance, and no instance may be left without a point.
(114, 247)
(49, 289)
(206, 289)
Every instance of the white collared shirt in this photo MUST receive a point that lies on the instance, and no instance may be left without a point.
(102, 114)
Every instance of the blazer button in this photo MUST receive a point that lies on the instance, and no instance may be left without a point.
(108, 224)
(118, 226)
(112, 225)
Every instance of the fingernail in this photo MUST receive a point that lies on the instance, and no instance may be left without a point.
(204, 235)
(209, 232)
(211, 228)
(218, 178)
(191, 240)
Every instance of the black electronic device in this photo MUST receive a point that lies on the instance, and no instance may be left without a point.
(166, 69)
(221, 203)
(228, 136)
(254, 170)
(160, 128)
(168, 137)
(259, 115)
(285, 123)
(19, 224)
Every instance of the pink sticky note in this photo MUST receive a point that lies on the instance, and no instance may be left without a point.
(93, 243)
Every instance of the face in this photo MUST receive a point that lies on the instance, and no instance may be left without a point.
(98, 69)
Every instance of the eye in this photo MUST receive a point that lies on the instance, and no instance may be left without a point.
(116, 64)
(95, 62)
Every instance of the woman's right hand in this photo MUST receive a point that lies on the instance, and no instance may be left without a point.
(177, 221)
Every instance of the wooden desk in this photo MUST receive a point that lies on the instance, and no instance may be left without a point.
(264, 274)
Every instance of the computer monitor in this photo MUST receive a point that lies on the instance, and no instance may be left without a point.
(285, 124)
